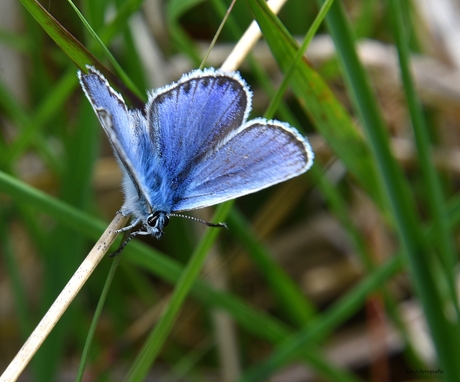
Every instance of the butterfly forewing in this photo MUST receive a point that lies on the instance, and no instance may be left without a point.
(103, 97)
(126, 130)
(192, 118)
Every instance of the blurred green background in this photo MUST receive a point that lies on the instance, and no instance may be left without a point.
(347, 273)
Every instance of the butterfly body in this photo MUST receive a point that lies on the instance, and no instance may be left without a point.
(192, 146)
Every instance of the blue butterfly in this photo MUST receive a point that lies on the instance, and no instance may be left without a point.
(192, 146)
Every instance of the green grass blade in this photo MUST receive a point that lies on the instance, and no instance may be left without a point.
(290, 298)
(46, 117)
(257, 323)
(109, 55)
(174, 10)
(323, 326)
(432, 186)
(68, 43)
(339, 312)
(33, 124)
(157, 337)
(318, 101)
(296, 59)
(97, 315)
(444, 332)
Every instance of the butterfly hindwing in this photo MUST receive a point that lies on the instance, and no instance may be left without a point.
(263, 153)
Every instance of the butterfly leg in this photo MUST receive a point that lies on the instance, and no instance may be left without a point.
(126, 239)
(134, 223)
(127, 236)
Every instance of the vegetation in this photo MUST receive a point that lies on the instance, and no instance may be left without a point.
(361, 249)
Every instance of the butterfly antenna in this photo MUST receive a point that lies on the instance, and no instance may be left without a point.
(209, 224)
(216, 36)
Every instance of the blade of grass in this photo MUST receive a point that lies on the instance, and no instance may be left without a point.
(296, 59)
(159, 334)
(78, 53)
(68, 43)
(259, 324)
(97, 315)
(339, 312)
(318, 101)
(419, 254)
(284, 113)
(325, 323)
(109, 55)
(62, 302)
(32, 123)
(290, 298)
(432, 186)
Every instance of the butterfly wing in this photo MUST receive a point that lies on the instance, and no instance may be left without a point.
(195, 149)
(190, 118)
(126, 131)
(262, 154)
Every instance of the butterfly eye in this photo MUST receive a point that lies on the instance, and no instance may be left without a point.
(158, 218)
(153, 218)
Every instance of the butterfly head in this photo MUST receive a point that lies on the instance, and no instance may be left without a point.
(155, 223)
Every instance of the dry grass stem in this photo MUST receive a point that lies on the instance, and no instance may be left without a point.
(62, 302)
(248, 41)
